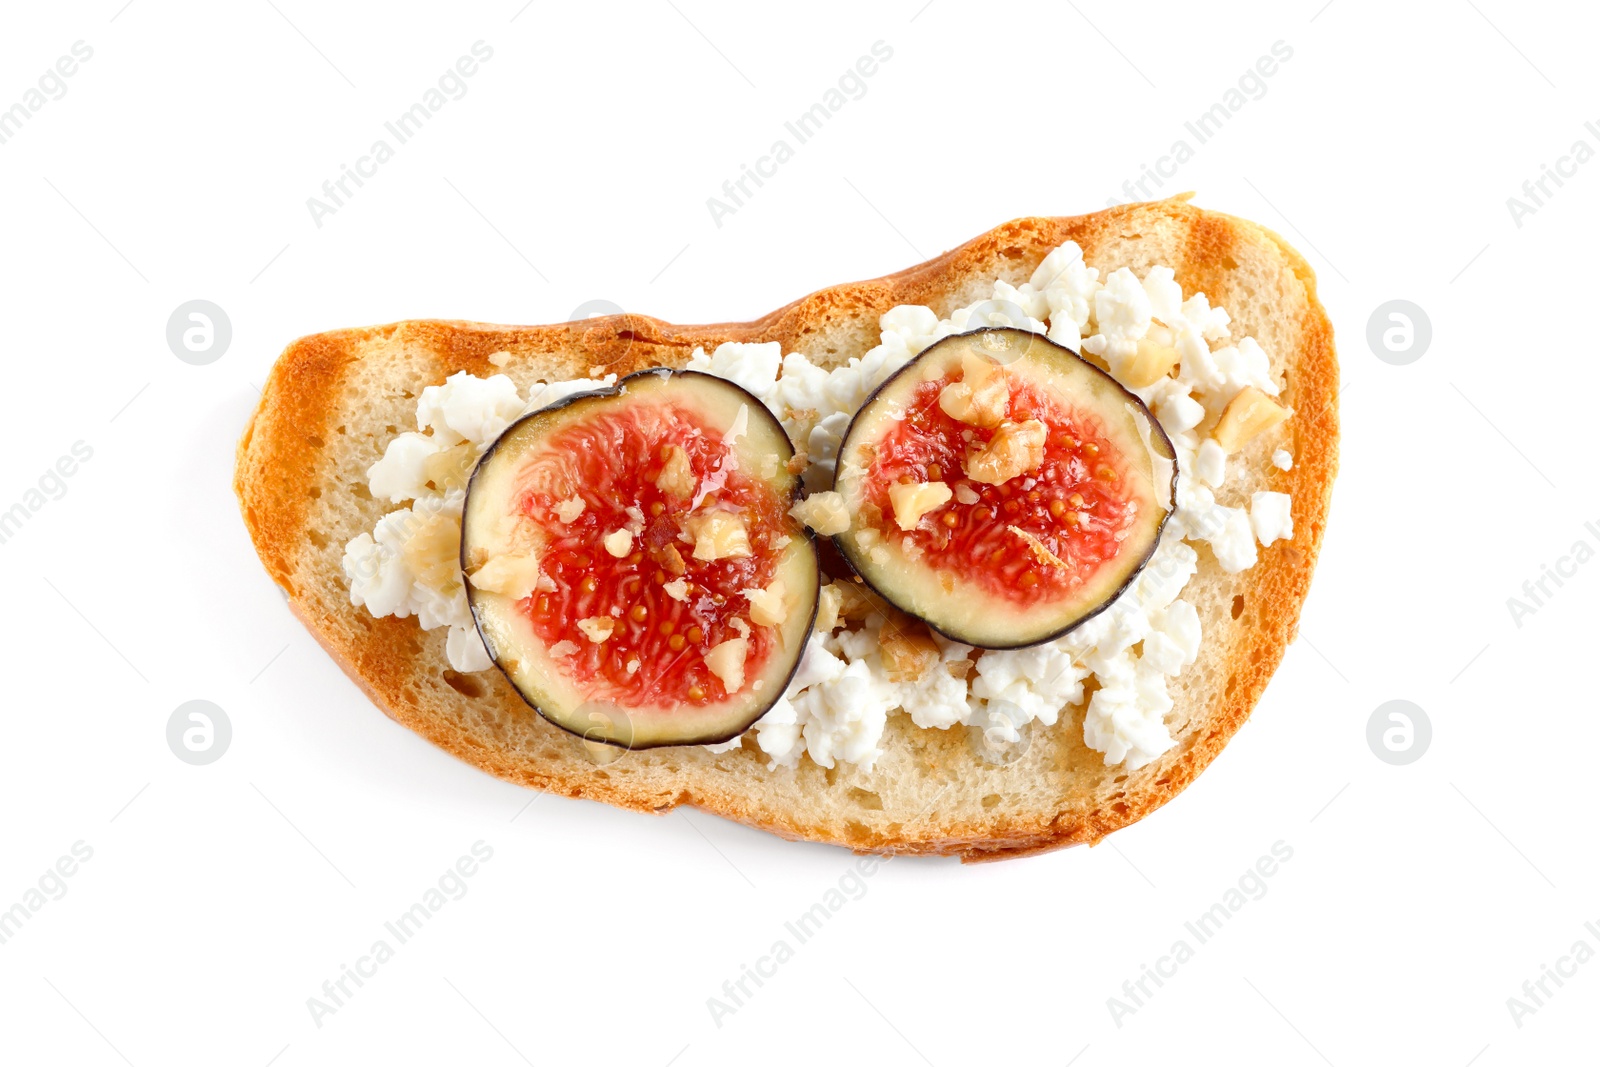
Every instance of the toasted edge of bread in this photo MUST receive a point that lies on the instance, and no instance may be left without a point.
(334, 399)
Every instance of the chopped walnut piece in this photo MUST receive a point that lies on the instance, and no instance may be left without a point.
(450, 469)
(433, 552)
(726, 661)
(1151, 361)
(672, 560)
(718, 535)
(1037, 547)
(676, 477)
(854, 604)
(980, 397)
(823, 512)
(907, 648)
(829, 601)
(1015, 449)
(1247, 414)
(767, 606)
(512, 576)
(913, 500)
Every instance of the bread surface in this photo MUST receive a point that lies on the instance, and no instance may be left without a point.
(335, 400)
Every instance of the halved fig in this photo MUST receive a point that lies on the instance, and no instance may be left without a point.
(632, 564)
(1002, 489)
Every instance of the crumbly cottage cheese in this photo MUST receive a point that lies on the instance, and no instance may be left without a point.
(407, 564)
(837, 706)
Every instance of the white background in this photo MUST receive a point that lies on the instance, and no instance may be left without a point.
(577, 167)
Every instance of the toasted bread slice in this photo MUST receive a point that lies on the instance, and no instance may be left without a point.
(335, 400)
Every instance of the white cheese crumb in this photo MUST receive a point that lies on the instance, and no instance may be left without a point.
(1282, 459)
(401, 473)
(464, 649)
(1211, 464)
(618, 543)
(570, 508)
(563, 648)
(1233, 542)
(677, 589)
(1271, 518)
(467, 408)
